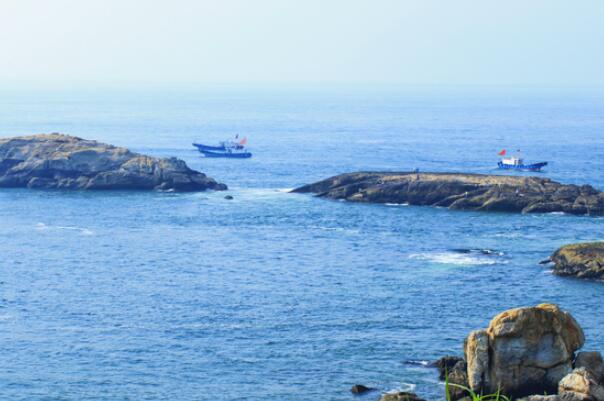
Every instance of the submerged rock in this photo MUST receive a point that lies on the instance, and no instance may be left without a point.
(55, 161)
(462, 192)
(524, 351)
(580, 260)
(360, 389)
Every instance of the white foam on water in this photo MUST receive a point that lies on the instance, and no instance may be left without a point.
(406, 387)
(82, 230)
(454, 258)
(396, 204)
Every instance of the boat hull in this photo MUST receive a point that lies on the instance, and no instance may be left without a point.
(522, 167)
(220, 148)
(227, 155)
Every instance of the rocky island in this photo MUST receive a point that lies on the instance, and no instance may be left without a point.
(462, 192)
(55, 161)
(580, 260)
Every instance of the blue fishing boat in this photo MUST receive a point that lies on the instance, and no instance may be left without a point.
(232, 149)
(517, 163)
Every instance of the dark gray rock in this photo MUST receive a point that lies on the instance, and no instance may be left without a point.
(360, 389)
(593, 362)
(496, 193)
(445, 365)
(55, 161)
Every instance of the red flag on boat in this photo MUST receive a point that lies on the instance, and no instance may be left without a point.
(243, 141)
(502, 153)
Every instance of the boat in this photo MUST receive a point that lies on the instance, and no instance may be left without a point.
(517, 163)
(232, 149)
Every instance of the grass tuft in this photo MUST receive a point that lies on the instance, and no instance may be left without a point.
(497, 396)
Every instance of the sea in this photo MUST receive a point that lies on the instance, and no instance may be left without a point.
(123, 295)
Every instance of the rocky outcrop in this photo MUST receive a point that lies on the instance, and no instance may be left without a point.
(462, 192)
(528, 353)
(55, 161)
(580, 260)
(523, 351)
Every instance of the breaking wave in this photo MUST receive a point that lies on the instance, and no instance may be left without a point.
(82, 230)
(456, 258)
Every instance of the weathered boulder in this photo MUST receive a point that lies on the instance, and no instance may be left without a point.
(593, 362)
(581, 384)
(55, 161)
(584, 260)
(401, 396)
(524, 351)
(496, 193)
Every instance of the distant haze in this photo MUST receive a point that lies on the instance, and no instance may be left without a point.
(193, 42)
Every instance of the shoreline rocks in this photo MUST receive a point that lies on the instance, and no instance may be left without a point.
(530, 353)
(56, 161)
(457, 191)
(585, 260)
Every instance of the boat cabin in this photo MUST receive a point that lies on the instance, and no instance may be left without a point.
(513, 161)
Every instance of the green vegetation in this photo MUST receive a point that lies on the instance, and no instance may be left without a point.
(475, 397)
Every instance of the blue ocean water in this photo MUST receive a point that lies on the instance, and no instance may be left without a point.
(165, 296)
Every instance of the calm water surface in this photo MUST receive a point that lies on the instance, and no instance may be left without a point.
(274, 296)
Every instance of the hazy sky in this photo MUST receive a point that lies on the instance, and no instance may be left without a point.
(73, 42)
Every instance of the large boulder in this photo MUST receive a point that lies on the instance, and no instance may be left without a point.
(524, 351)
(584, 260)
(55, 161)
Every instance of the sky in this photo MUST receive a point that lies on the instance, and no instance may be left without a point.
(198, 42)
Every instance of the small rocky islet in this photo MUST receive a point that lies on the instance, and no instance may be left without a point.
(56, 161)
(584, 260)
(458, 191)
(528, 353)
